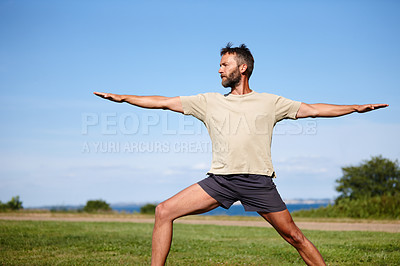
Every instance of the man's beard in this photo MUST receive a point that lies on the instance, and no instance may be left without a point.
(232, 80)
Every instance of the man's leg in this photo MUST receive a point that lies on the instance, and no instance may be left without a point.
(283, 223)
(192, 200)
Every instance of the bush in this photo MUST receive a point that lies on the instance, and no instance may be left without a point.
(3, 207)
(97, 206)
(378, 207)
(148, 209)
(14, 204)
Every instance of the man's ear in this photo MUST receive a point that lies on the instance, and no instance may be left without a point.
(243, 68)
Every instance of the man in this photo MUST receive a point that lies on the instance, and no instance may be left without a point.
(240, 124)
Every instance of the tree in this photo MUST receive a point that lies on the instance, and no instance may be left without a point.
(96, 206)
(148, 209)
(14, 203)
(376, 177)
(3, 207)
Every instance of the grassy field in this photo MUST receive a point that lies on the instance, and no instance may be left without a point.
(84, 243)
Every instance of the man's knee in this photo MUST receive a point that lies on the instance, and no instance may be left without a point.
(163, 212)
(296, 238)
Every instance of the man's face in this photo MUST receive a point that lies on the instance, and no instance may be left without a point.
(229, 71)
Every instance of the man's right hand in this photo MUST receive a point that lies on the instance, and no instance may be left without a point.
(152, 102)
(110, 96)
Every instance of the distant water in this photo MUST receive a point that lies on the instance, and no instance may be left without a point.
(234, 210)
(238, 210)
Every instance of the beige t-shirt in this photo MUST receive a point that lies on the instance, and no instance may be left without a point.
(240, 128)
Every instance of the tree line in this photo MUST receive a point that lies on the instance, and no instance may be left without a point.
(102, 206)
(368, 190)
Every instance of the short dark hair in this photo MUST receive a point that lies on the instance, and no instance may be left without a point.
(243, 56)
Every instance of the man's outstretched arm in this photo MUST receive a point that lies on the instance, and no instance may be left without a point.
(331, 110)
(152, 102)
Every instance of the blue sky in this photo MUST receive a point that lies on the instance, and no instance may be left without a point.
(62, 145)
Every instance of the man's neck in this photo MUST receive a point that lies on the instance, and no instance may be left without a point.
(242, 88)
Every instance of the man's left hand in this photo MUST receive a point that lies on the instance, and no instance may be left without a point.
(369, 107)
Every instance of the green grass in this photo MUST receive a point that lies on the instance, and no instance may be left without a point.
(88, 243)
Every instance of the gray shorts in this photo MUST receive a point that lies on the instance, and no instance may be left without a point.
(255, 192)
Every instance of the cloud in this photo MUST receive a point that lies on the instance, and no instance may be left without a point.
(307, 164)
(201, 166)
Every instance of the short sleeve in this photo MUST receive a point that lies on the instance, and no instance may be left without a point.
(285, 108)
(195, 105)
